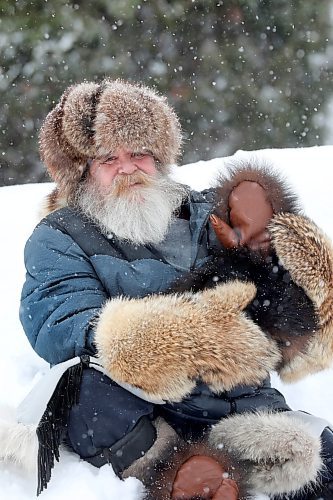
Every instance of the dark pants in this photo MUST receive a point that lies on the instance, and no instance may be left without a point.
(108, 416)
(110, 424)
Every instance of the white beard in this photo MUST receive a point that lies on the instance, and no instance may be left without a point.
(140, 215)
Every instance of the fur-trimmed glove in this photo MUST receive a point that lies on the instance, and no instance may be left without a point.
(247, 197)
(163, 344)
(306, 252)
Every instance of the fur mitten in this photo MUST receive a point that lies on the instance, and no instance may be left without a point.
(247, 196)
(174, 469)
(306, 252)
(283, 450)
(163, 344)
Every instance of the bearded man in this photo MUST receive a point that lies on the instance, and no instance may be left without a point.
(142, 370)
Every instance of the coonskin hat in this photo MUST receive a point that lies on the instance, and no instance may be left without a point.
(91, 120)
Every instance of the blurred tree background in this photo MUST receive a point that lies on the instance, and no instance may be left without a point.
(244, 74)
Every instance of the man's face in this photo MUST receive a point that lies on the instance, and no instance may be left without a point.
(127, 196)
(122, 163)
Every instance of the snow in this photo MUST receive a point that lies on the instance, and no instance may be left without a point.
(310, 173)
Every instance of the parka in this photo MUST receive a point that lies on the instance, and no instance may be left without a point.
(65, 289)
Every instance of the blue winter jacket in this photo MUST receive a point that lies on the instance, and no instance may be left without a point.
(66, 287)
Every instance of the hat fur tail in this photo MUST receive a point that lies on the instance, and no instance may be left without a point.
(19, 442)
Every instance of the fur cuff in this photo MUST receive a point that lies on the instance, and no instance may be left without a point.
(256, 170)
(146, 468)
(306, 252)
(283, 451)
(162, 344)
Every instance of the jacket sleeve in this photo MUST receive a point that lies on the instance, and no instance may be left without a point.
(61, 296)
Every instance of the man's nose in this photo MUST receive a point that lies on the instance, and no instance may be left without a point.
(127, 167)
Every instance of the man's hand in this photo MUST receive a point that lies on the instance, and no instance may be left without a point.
(249, 212)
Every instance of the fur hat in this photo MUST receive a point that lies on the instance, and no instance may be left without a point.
(91, 120)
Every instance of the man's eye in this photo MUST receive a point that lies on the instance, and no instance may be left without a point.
(110, 159)
(139, 156)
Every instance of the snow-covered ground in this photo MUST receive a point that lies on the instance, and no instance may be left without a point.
(308, 170)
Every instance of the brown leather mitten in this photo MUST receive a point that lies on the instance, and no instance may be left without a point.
(195, 470)
(203, 477)
(250, 211)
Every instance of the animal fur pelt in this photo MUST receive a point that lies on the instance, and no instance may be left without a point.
(52, 202)
(280, 307)
(281, 449)
(307, 253)
(294, 298)
(163, 344)
(161, 482)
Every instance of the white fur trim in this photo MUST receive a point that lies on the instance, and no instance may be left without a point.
(283, 448)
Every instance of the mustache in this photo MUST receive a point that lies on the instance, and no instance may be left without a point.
(122, 183)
